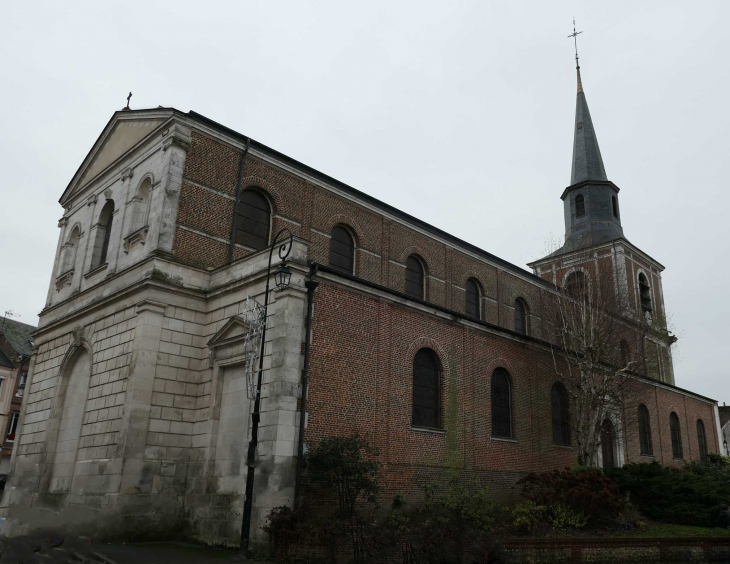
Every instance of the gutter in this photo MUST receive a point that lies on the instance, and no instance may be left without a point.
(238, 199)
(311, 286)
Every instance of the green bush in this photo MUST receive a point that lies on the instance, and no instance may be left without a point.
(563, 517)
(526, 516)
(584, 491)
(682, 497)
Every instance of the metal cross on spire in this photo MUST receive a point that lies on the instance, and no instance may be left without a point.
(130, 94)
(575, 35)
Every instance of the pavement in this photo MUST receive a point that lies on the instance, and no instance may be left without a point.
(80, 550)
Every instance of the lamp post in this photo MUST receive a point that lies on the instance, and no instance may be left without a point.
(282, 277)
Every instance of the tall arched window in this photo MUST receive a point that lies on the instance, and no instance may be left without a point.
(342, 250)
(426, 383)
(501, 404)
(580, 206)
(520, 316)
(103, 232)
(608, 444)
(472, 298)
(625, 352)
(644, 431)
(414, 277)
(644, 293)
(702, 440)
(560, 414)
(69, 252)
(141, 205)
(254, 220)
(576, 285)
(676, 436)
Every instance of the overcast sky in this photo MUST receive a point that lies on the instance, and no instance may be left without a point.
(460, 113)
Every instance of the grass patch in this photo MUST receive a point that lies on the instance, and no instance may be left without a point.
(661, 530)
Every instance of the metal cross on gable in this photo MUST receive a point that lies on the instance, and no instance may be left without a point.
(575, 35)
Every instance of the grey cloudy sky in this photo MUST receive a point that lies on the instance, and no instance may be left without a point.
(460, 113)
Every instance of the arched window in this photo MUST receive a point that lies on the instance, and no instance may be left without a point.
(576, 285)
(426, 396)
(69, 252)
(702, 440)
(472, 298)
(103, 232)
(580, 206)
(501, 404)
(644, 431)
(141, 205)
(614, 201)
(560, 414)
(254, 220)
(607, 444)
(644, 293)
(414, 277)
(520, 316)
(625, 352)
(676, 436)
(342, 250)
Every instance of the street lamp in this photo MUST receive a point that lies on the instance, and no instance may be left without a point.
(282, 277)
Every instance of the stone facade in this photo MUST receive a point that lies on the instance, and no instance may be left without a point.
(138, 414)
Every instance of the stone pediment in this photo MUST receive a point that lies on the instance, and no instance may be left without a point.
(125, 131)
(234, 329)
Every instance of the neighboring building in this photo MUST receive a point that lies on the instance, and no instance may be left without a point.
(724, 412)
(16, 348)
(138, 406)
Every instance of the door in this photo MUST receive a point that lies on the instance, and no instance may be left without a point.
(607, 445)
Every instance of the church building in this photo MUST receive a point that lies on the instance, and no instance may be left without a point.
(140, 394)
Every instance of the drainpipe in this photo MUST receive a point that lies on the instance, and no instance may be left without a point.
(238, 199)
(311, 286)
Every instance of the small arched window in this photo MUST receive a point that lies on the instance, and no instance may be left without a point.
(414, 277)
(70, 249)
(426, 383)
(644, 431)
(560, 414)
(644, 293)
(614, 201)
(520, 316)
(103, 233)
(676, 436)
(576, 285)
(342, 250)
(625, 352)
(580, 206)
(702, 440)
(141, 205)
(254, 220)
(501, 404)
(472, 298)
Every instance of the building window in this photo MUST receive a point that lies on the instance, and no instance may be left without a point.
(69, 251)
(676, 437)
(576, 285)
(521, 316)
(501, 404)
(644, 293)
(254, 220)
(103, 233)
(141, 205)
(472, 298)
(644, 431)
(614, 201)
(426, 396)
(13, 425)
(580, 206)
(607, 445)
(702, 440)
(21, 384)
(625, 352)
(560, 414)
(342, 250)
(414, 277)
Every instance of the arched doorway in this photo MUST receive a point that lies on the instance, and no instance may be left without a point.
(608, 444)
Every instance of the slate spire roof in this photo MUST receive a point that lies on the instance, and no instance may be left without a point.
(587, 161)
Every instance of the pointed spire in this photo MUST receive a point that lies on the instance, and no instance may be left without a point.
(587, 161)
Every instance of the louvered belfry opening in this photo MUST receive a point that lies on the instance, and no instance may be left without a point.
(472, 298)
(342, 250)
(501, 404)
(560, 414)
(426, 396)
(580, 206)
(576, 285)
(676, 436)
(414, 277)
(702, 440)
(520, 316)
(644, 293)
(254, 220)
(644, 431)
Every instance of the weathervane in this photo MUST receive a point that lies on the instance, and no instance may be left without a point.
(130, 94)
(575, 35)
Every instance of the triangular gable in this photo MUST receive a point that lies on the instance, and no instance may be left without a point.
(125, 131)
(235, 327)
